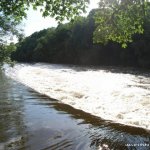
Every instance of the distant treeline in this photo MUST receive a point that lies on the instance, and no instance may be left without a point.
(72, 43)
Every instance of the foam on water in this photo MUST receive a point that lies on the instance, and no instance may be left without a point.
(123, 98)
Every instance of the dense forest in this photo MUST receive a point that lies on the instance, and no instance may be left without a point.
(72, 43)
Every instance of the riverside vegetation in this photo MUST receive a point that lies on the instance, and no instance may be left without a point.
(115, 23)
(72, 43)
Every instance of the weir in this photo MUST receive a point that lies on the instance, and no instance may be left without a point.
(122, 96)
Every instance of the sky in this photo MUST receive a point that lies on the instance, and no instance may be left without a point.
(35, 21)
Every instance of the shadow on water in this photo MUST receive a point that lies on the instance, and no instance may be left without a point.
(11, 114)
(115, 135)
(31, 121)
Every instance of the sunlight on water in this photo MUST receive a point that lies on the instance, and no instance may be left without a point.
(121, 97)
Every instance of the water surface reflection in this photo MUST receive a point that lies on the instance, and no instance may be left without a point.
(30, 121)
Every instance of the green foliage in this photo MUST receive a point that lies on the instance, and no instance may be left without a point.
(119, 20)
(13, 11)
(59, 9)
(5, 53)
(115, 20)
(73, 43)
(11, 14)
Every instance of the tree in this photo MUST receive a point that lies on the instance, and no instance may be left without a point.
(13, 11)
(72, 43)
(119, 20)
(5, 53)
(116, 20)
(59, 9)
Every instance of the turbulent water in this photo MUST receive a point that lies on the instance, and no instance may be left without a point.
(120, 95)
(32, 121)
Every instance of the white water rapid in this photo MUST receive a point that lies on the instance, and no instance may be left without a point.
(111, 95)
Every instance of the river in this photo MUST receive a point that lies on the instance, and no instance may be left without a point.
(32, 121)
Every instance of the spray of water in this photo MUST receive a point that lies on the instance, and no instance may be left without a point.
(120, 97)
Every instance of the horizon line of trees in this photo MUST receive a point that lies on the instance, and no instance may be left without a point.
(72, 43)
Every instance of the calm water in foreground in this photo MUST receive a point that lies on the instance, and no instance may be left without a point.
(30, 121)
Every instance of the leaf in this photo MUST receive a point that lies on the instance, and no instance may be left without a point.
(124, 45)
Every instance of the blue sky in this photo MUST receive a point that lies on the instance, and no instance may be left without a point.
(35, 21)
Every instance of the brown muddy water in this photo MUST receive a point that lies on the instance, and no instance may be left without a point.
(30, 121)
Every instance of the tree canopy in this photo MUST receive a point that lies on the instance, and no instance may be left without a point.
(59, 9)
(13, 11)
(115, 20)
(72, 43)
(119, 20)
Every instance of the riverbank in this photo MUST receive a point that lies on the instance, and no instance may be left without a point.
(122, 98)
